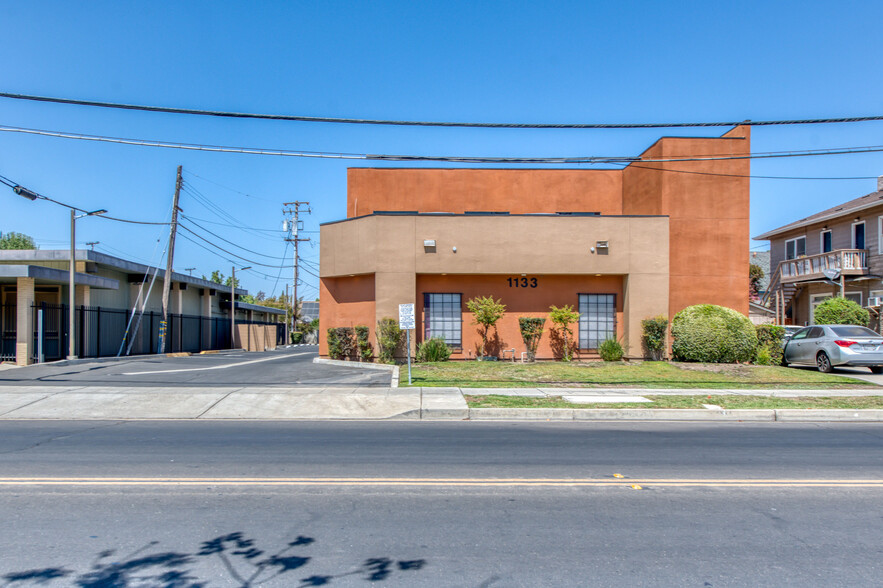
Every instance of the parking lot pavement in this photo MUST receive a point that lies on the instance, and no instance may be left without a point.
(860, 374)
(279, 368)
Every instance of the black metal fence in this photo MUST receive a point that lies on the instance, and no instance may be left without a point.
(7, 332)
(101, 332)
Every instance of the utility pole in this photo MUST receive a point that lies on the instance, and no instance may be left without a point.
(92, 244)
(287, 329)
(167, 279)
(189, 270)
(292, 230)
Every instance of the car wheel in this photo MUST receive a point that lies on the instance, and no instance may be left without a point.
(877, 369)
(824, 363)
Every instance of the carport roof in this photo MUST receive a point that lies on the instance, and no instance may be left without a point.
(50, 275)
(117, 263)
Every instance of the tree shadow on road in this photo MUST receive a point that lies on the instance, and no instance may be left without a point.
(238, 555)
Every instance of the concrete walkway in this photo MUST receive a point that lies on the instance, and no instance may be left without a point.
(365, 403)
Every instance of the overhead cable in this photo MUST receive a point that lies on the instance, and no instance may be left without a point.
(415, 123)
(594, 160)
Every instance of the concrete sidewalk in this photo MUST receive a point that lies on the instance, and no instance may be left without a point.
(247, 403)
(364, 403)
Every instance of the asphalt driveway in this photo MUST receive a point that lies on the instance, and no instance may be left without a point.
(282, 368)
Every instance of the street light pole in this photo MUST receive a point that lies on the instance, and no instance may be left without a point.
(71, 339)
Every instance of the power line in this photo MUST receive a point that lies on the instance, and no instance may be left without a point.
(39, 196)
(216, 246)
(189, 173)
(592, 160)
(231, 242)
(369, 121)
(227, 259)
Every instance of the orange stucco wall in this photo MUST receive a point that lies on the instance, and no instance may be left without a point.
(708, 206)
(345, 302)
(534, 302)
(517, 191)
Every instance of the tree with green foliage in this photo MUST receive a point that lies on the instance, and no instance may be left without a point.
(531, 332)
(389, 339)
(841, 311)
(486, 312)
(12, 240)
(564, 317)
(713, 334)
(755, 275)
(654, 331)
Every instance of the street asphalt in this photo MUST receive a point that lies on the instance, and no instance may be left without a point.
(282, 367)
(439, 504)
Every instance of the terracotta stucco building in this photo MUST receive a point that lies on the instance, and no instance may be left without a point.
(619, 245)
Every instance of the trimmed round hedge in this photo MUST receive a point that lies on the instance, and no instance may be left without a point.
(841, 311)
(712, 334)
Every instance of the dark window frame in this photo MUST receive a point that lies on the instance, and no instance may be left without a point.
(427, 309)
(579, 334)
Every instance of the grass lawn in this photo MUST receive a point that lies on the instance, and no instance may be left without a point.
(648, 374)
(726, 402)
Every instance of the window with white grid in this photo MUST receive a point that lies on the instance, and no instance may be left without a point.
(597, 319)
(443, 318)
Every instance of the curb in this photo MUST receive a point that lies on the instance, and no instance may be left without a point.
(676, 414)
(393, 369)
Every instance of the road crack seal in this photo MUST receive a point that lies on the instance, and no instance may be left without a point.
(64, 436)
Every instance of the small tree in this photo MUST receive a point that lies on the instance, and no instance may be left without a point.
(366, 352)
(654, 336)
(12, 240)
(531, 332)
(755, 275)
(841, 311)
(389, 339)
(564, 317)
(485, 312)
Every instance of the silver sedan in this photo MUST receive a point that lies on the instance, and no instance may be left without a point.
(828, 346)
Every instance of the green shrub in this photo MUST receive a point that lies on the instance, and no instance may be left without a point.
(531, 333)
(366, 352)
(714, 334)
(654, 336)
(389, 339)
(841, 311)
(335, 351)
(563, 342)
(764, 357)
(296, 337)
(341, 343)
(769, 344)
(610, 350)
(434, 349)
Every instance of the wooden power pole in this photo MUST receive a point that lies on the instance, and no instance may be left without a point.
(294, 239)
(167, 279)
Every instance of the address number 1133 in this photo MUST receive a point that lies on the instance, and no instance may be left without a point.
(522, 282)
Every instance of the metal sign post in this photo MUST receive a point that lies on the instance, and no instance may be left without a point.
(407, 322)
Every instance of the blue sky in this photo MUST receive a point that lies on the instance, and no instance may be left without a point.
(458, 61)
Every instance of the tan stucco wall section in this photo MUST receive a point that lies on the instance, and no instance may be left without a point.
(391, 247)
(24, 339)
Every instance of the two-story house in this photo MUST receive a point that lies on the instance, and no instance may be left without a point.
(836, 252)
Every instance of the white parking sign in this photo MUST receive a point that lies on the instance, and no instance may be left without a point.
(406, 316)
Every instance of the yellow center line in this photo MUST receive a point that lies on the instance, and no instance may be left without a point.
(443, 482)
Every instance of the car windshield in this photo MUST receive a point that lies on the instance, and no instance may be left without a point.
(853, 331)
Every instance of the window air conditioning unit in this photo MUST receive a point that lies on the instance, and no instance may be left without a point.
(875, 301)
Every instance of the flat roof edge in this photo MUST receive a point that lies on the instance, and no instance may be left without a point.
(491, 215)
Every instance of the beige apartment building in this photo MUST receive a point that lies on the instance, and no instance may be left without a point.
(838, 251)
